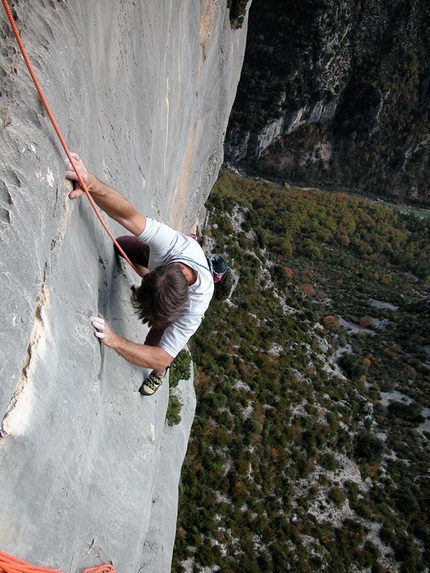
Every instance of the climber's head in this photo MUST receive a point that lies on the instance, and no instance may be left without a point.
(161, 296)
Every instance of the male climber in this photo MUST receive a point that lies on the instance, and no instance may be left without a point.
(176, 288)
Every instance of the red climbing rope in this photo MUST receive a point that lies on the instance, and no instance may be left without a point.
(9, 564)
(60, 136)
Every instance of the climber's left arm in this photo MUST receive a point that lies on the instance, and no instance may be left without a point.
(140, 354)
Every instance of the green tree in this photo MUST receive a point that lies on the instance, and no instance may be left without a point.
(369, 447)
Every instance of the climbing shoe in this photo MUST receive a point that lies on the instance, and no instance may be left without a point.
(150, 385)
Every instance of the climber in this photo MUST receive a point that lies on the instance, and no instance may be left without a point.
(176, 287)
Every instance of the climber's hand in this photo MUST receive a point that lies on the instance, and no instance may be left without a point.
(102, 330)
(71, 174)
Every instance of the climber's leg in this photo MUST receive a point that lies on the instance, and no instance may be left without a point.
(136, 251)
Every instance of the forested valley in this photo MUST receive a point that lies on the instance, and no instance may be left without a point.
(310, 445)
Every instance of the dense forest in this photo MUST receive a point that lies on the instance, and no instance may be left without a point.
(310, 446)
(336, 94)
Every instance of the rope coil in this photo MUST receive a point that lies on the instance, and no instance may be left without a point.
(57, 129)
(10, 564)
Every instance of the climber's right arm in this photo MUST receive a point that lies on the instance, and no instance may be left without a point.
(107, 198)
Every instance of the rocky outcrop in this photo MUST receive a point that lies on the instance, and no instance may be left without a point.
(349, 78)
(242, 144)
(142, 91)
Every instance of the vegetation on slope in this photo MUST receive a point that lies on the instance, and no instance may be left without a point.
(310, 447)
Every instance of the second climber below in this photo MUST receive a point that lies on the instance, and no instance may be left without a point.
(177, 284)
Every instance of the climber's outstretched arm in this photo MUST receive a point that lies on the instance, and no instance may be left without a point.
(107, 198)
(140, 354)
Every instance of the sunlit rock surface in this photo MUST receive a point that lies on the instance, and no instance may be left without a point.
(142, 91)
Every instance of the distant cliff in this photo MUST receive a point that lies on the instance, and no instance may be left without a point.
(142, 91)
(336, 93)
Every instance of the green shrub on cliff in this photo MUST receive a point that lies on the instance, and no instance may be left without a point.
(173, 413)
(237, 12)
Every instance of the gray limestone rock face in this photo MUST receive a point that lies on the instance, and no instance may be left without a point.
(142, 91)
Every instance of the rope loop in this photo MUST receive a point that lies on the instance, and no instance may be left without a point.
(10, 564)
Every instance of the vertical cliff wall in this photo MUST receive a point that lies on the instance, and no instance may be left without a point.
(142, 91)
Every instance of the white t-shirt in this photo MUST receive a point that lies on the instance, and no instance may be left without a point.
(167, 246)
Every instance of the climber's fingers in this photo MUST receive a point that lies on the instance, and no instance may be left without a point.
(77, 192)
(103, 331)
(99, 324)
(78, 164)
(71, 174)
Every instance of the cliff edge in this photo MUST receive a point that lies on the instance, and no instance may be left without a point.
(142, 91)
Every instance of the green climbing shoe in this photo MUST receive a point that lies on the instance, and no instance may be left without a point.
(150, 385)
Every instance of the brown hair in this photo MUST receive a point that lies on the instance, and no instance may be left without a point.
(161, 296)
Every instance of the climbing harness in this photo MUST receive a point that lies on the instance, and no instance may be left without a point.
(60, 136)
(9, 564)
